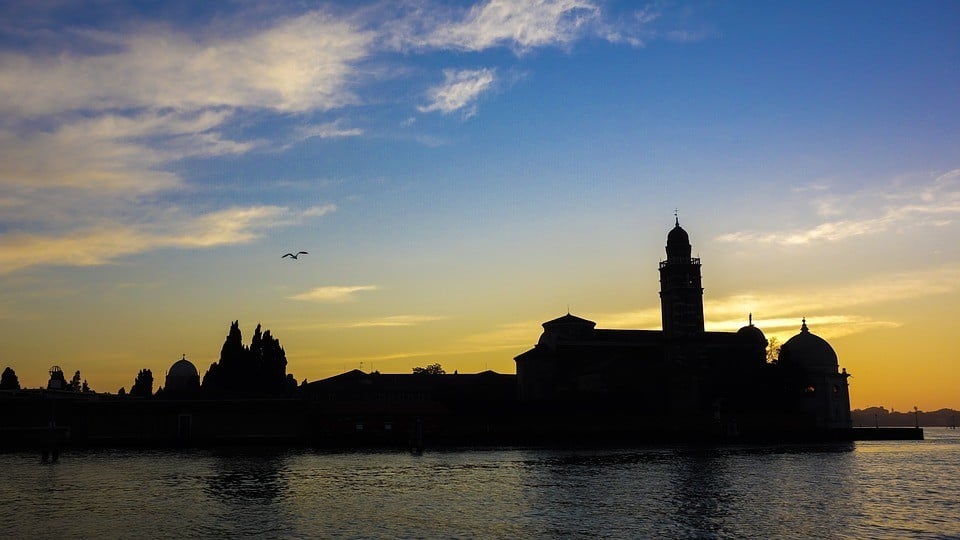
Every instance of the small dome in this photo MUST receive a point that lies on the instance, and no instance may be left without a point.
(183, 368)
(183, 379)
(753, 335)
(678, 236)
(678, 243)
(808, 352)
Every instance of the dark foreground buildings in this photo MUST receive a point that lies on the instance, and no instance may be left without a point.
(683, 379)
(579, 385)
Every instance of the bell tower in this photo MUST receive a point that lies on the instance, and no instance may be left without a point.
(681, 291)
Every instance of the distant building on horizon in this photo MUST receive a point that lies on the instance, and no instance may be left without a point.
(183, 379)
(684, 374)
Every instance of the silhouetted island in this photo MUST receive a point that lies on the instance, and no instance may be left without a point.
(579, 385)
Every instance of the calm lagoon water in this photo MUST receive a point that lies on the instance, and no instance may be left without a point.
(883, 489)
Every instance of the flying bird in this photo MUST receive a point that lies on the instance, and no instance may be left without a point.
(294, 255)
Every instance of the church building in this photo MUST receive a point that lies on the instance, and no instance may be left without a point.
(684, 376)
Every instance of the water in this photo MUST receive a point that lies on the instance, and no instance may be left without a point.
(882, 489)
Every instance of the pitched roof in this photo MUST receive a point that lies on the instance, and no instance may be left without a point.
(569, 319)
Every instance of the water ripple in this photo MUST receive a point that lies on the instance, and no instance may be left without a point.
(882, 489)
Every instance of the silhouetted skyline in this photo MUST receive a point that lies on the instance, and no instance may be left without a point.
(461, 177)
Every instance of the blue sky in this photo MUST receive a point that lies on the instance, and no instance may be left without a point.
(463, 171)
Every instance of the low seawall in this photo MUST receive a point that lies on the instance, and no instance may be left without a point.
(888, 434)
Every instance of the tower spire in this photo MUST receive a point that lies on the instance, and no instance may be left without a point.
(681, 294)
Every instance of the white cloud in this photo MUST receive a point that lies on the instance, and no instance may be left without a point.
(87, 135)
(298, 64)
(520, 25)
(92, 121)
(111, 154)
(329, 130)
(317, 211)
(916, 204)
(333, 293)
(116, 118)
(459, 90)
(634, 30)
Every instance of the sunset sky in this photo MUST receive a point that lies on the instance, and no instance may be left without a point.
(461, 173)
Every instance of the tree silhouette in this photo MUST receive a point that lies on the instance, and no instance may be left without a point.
(432, 369)
(260, 369)
(9, 380)
(75, 381)
(143, 385)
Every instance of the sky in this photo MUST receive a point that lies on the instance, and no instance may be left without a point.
(461, 172)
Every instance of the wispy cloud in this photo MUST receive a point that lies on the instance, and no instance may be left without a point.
(94, 121)
(333, 293)
(459, 90)
(393, 321)
(521, 25)
(827, 326)
(108, 240)
(88, 133)
(920, 204)
(318, 211)
(328, 130)
(105, 242)
(512, 335)
(295, 64)
(634, 29)
(834, 311)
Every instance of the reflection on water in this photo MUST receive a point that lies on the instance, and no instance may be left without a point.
(246, 489)
(244, 476)
(700, 494)
(879, 489)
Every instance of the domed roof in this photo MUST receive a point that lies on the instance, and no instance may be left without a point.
(808, 352)
(677, 236)
(752, 333)
(183, 368)
(678, 243)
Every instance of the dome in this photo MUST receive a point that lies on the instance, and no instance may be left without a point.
(183, 379)
(183, 368)
(753, 335)
(808, 352)
(678, 243)
(678, 236)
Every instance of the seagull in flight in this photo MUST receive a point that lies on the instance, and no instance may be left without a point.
(294, 255)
